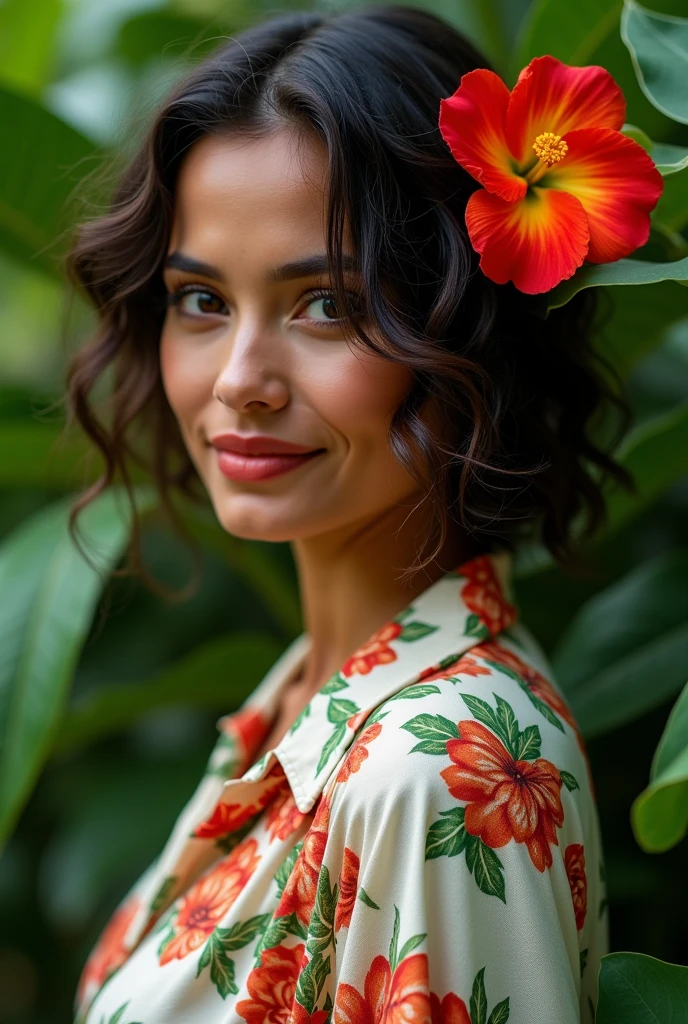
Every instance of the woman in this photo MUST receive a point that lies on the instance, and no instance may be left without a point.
(398, 824)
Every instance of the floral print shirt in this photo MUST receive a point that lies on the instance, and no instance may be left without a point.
(422, 847)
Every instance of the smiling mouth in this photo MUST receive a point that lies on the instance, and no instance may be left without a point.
(236, 466)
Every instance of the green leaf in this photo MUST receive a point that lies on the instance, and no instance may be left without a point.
(658, 45)
(656, 453)
(544, 709)
(285, 868)
(621, 273)
(49, 596)
(500, 1014)
(626, 650)
(339, 710)
(476, 627)
(433, 731)
(571, 32)
(478, 1004)
(334, 683)
(365, 898)
(668, 159)
(660, 814)
(27, 40)
(528, 745)
(394, 941)
(485, 866)
(242, 932)
(508, 724)
(637, 989)
(416, 631)
(446, 837)
(410, 945)
(482, 712)
(199, 679)
(414, 692)
(52, 156)
(569, 781)
(331, 745)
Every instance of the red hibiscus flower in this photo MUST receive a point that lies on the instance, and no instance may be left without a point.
(228, 817)
(109, 953)
(358, 753)
(299, 892)
(466, 665)
(247, 727)
(209, 899)
(574, 859)
(272, 985)
(376, 651)
(348, 887)
(283, 816)
(399, 998)
(483, 595)
(561, 183)
(507, 799)
(451, 1010)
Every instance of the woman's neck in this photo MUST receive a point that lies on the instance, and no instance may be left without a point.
(352, 582)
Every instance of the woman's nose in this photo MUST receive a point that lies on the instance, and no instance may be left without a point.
(250, 374)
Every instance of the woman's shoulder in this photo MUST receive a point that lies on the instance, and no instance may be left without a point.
(493, 717)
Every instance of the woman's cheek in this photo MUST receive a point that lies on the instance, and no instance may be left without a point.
(187, 378)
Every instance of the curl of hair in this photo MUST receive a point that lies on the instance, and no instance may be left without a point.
(517, 395)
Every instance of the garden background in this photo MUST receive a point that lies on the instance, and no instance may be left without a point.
(109, 694)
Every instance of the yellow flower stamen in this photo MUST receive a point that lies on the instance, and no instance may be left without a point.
(550, 148)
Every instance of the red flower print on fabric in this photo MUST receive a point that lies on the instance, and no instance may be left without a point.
(272, 986)
(283, 817)
(209, 899)
(109, 952)
(399, 998)
(507, 799)
(534, 680)
(348, 887)
(299, 893)
(358, 752)
(465, 665)
(483, 595)
(228, 817)
(451, 1010)
(574, 859)
(376, 651)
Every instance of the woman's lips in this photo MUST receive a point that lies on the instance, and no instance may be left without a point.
(259, 467)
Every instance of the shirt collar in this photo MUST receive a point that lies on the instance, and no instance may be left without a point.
(464, 607)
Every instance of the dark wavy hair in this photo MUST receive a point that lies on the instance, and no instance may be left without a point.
(518, 395)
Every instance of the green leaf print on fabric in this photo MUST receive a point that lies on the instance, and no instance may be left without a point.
(503, 724)
(334, 683)
(396, 955)
(332, 743)
(277, 931)
(365, 898)
(476, 627)
(485, 866)
(569, 781)
(447, 837)
(413, 631)
(300, 718)
(223, 941)
(285, 868)
(414, 692)
(162, 894)
(478, 1004)
(433, 731)
(339, 711)
(116, 1017)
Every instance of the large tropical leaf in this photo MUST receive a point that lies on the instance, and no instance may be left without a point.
(572, 32)
(48, 593)
(656, 453)
(668, 159)
(621, 273)
(658, 45)
(27, 38)
(626, 650)
(637, 989)
(219, 675)
(48, 159)
(660, 814)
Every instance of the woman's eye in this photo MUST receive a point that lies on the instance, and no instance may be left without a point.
(196, 302)
(324, 307)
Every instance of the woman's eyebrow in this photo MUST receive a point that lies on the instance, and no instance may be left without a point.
(309, 266)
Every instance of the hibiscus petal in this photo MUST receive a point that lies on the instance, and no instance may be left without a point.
(617, 184)
(554, 97)
(472, 124)
(536, 242)
(489, 820)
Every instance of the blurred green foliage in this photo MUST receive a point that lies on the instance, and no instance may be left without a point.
(109, 695)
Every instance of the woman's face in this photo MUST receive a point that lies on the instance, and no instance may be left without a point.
(252, 348)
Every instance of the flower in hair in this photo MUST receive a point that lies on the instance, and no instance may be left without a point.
(561, 183)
